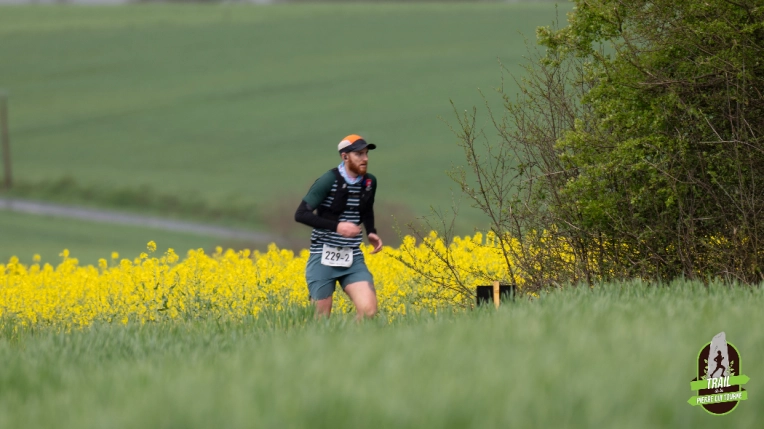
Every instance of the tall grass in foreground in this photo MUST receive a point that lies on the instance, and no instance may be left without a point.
(616, 356)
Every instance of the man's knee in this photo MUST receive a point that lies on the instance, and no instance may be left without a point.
(364, 297)
(368, 310)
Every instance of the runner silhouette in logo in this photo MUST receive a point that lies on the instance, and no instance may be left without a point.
(718, 359)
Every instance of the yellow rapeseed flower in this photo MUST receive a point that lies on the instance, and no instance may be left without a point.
(236, 285)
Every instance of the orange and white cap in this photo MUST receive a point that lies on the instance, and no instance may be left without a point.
(353, 143)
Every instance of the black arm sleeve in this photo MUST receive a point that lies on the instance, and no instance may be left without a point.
(304, 214)
(368, 216)
(368, 222)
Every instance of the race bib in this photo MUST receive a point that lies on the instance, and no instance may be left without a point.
(337, 256)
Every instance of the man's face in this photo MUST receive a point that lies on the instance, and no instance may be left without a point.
(357, 161)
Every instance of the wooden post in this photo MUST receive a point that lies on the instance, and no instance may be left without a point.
(5, 140)
(496, 296)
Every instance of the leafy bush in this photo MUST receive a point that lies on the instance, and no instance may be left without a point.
(636, 140)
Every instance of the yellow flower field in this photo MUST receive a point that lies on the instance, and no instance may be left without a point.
(233, 285)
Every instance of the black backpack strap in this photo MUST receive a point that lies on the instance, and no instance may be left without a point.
(340, 195)
(339, 204)
(338, 175)
(366, 192)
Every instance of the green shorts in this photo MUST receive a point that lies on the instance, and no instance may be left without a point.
(322, 279)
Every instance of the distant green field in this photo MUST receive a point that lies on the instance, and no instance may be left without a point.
(618, 356)
(246, 103)
(24, 236)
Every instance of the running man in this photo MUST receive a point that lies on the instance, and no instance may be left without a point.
(718, 359)
(336, 205)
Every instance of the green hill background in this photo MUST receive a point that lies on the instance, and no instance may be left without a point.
(243, 106)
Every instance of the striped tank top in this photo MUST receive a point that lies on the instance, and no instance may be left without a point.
(319, 236)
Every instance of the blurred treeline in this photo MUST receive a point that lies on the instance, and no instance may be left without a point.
(636, 148)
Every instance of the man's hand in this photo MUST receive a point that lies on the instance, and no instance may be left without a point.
(348, 229)
(375, 241)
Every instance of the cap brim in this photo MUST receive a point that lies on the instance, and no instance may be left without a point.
(358, 145)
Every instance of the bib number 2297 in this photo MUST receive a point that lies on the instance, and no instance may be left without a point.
(337, 256)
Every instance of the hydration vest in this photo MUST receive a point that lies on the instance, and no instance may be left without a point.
(339, 204)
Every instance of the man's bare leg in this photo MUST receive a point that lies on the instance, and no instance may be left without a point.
(323, 307)
(364, 297)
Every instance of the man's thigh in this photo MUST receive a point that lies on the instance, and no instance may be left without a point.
(323, 306)
(364, 297)
(362, 290)
(320, 278)
(358, 283)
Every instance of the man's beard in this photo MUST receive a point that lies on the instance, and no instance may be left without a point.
(357, 169)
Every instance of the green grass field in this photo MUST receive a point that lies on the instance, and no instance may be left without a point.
(235, 102)
(614, 357)
(24, 236)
